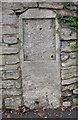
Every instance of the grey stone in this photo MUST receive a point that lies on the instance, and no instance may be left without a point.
(64, 56)
(69, 81)
(67, 34)
(10, 50)
(75, 91)
(70, 62)
(13, 102)
(66, 93)
(69, 87)
(67, 103)
(39, 13)
(29, 4)
(11, 74)
(10, 40)
(53, 5)
(75, 101)
(73, 55)
(12, 59)
(11, 84)
(7, 11)
(11, 67)
(35, 47)
(2, 60)
(1, 72)
(11, 92)
(12, 5)
(9, 29)
(69, 70)
(69, 75)
(9, 19)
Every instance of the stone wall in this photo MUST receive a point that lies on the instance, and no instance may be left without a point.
(10, 70)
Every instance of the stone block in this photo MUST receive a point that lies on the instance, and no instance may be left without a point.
(29, 4)
(67, 93)
(9, 19)
(70, 62)
(9, 50)
(73, 55)
(53, 5)
(69, 81)
(12, 92)
(9, 30)
(64, 56)
(12, 5)
(66, 46)
(67, 103)
(75, 101)
(12, 74)
(7, 12)
(2, 60)
(69, 75)
(13, 102)
(1, 74)
(11, 84)
(67, 34)
(11, 67)
(10, 40)
(75, 91)
(12, 59)
(69, 87)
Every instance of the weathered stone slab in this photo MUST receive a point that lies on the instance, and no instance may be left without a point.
(70, 62)
(2, 60)
(75, 91)
(39, 13)
(37, 44)
(12, 59)
(73, 55)
(69, 81)
(9, 19)
(11, 74)
(11, 92)
(67, 70)
(67, 103)
(53, 5)
(9, 30)
(11, 67)
(69, 75)
(10, 40)
(11, 84)
(69, 87)
(67, 34)
(13, 102)
(9, 50)
(38, 79)
(75, 101)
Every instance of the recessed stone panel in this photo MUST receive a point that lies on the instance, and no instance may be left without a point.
(39, 39)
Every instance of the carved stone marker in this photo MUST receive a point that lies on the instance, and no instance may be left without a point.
(40, 68)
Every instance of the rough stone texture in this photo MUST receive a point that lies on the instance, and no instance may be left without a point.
(12, 59)
(10, 40)
(69, 81)
(67, 104)
(11, 80)
(13, 102)
(9, 50)
(42, 91)
(75, 101)
(67, 34)
(12, 74)
(11, 84)
(54, 5)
